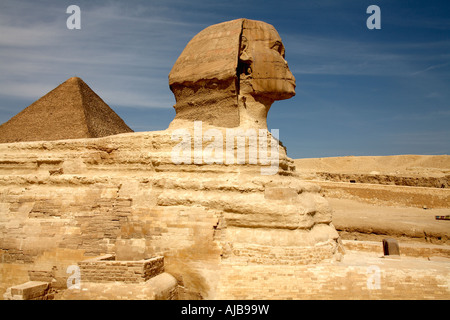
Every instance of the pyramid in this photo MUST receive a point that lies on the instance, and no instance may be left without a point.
(70, 111)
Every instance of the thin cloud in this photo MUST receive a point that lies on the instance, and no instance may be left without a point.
(438, 66)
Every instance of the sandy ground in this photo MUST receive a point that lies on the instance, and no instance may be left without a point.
(420, 165)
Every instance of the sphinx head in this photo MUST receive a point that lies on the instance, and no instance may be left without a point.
(229, 75)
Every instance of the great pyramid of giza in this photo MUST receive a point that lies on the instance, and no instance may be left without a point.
(70, 111)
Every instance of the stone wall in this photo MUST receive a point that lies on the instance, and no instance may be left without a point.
(386, 179)
(389, 195)
(106, 269)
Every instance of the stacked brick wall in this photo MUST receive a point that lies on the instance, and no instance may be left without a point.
(104, 270)
(282, 255)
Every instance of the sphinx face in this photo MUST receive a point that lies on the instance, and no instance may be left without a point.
(263, 55)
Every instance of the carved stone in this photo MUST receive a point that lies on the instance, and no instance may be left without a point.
(229, 75)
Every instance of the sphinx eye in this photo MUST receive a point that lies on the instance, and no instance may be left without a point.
(278, 46)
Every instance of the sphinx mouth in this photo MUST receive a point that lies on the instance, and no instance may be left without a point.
(292, 82)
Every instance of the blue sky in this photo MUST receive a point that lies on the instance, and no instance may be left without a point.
(359, 91)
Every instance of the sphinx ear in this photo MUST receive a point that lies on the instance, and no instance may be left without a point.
(245, 59)
(244, 54)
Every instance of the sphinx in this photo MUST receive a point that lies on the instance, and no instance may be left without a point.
(66, 201)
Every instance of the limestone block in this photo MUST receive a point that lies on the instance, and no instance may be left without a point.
(30, 290)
